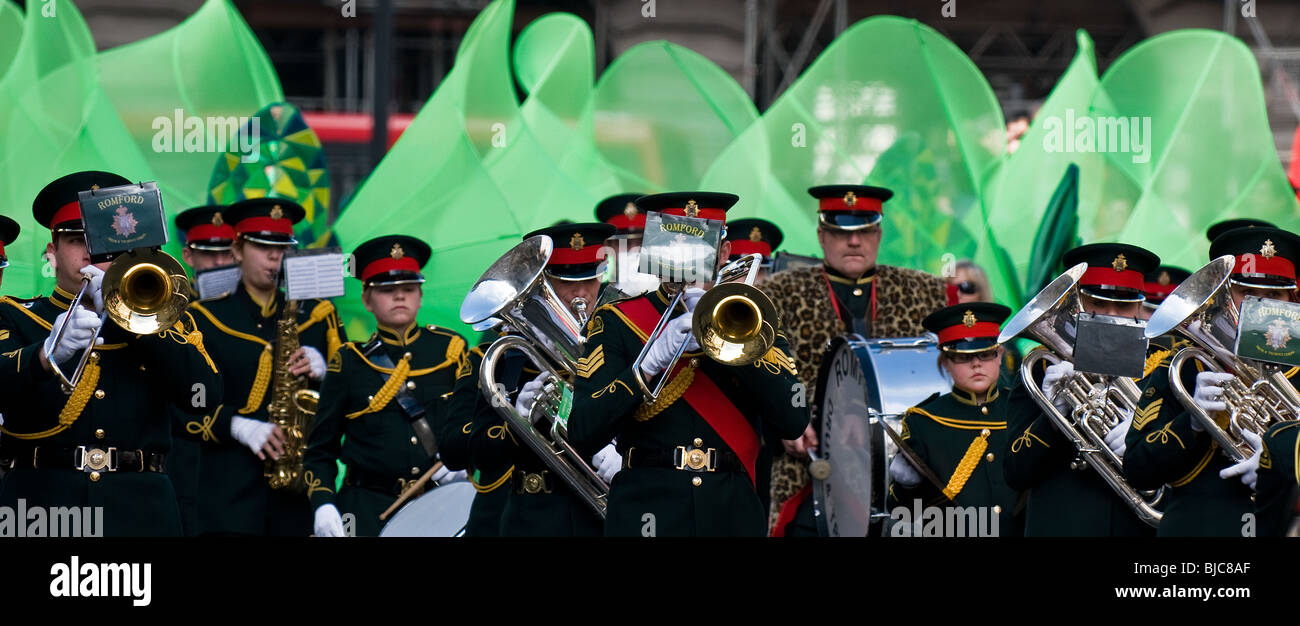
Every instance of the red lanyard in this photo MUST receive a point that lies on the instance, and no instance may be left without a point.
(836, 303)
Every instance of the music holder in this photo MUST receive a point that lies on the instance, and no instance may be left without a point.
(1269, 330)
(1110, 345)
(122, 218)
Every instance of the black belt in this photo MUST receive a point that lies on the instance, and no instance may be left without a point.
(532, 482)
(92, 459)
(690, 459)
(394, 486)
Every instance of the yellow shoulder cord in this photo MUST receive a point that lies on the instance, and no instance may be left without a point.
(261, 381)
(671, 392)
(388, 391)
(966, 467)
(194, 338)
(1153, 361)
(73, 408)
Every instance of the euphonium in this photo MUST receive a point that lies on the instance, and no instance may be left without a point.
(1097, 403)
(1201, 308)
(292, 406)
(515, 290)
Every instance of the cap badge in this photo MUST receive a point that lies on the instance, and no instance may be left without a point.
(397, 252)
(94, 187)
(276, 212)
(755, 234)
(1267, 250)
(1164, 278)
(1120, 263)
(850, 199)
(577, 242)
(968, 320)
(629, 211)
(692, 209)
(217, 220)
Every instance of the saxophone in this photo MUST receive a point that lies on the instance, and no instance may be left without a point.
(292, 406)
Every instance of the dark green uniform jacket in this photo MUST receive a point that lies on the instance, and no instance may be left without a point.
(1164, 450)
(361, 422)
(234, 496)
(1278, 486)
(454, 430)
(1065, 499)
(961, 438)
(668, 501)
(119, 405)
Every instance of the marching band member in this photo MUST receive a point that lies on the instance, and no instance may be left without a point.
(688, 459)
(380, 400)
(1207, 494)
(8, 233)
(1277, 489)
(105, 443)
(207, 245)
(960, 435)
(539, 504)
(849, 293)
(241, 330)
(1066, 498)
(1156, 286)
(489, 468)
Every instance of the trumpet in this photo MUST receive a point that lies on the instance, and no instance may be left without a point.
(145, 291)
(515, 291)
(733, 322)
(1202, 309)
(1097, 403)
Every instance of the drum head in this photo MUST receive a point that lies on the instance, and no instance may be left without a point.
(861, 384)
(442, 512)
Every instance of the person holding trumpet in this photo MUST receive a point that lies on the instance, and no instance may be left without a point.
(380, 399)
(688, 455)
(104, 442)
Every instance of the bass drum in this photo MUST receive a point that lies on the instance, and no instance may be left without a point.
(861, 382)
(442, 512)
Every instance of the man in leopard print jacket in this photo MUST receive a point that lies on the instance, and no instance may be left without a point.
(848, 293)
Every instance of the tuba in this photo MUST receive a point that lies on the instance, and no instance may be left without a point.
(1097, 403)
(292, 406)
(515, 291)
(734, 322)
(1202, 309)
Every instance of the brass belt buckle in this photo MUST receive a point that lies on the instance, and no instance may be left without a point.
(95, 459)
(535, 483)
(695, 459)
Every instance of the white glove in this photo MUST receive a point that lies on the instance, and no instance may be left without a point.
(1209, 394)
(528, 397)
(445, 476)
(1115, 438)
(1247, 469)
(607, 462)
(675, 333)
(1052, 379)
(250, 432)
(692, 297)
(96, 289)
(903, 473)
(317, 362)
(328, 521)
(80, 328)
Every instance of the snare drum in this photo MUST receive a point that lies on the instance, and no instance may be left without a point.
(442, 512)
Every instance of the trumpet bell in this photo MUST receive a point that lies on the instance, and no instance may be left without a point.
(733, 323)
(145, 291)
(1049, 318)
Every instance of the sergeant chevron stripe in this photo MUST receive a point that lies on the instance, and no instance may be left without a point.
(1143, 416)
(588, 365)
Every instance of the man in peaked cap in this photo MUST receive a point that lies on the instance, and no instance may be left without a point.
(208, 237)
(1207, 494)
(689, 457)
(1068, 498)
(755, 236)
(1158, 284)
(241, 330)
(849, 292)
(105, 441)
(8, 233)
(384, 403)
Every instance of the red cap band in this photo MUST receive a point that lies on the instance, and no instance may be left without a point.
(70, 212)
(873, 205)
(1104, 276)
(389, 264)
(208, 232)
(264, 224)
(1157, 290)
(708, 214)
(1256, 263)
(623, 222)
(980, 330)
(745, 246)
(2, 248)
(569, 256)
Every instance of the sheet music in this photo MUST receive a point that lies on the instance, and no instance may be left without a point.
(314, 274)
